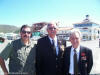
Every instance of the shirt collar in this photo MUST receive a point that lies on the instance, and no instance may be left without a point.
(55, 39)
(77, 49)
(24, 44)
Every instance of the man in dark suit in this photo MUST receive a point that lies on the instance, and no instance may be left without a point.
(83, 55)
(49, 53)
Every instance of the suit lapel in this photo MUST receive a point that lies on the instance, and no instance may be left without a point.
(49, 45)
(48, 42)
(59, 50)
(82, 50)
(81, 60)
(69, 53)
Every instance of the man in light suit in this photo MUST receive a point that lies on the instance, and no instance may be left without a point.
(84, 56)
(48, 59)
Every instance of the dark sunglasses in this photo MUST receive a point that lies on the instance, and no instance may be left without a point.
(52, 28)
(24, 32)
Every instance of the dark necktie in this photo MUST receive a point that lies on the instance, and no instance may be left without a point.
(75, 63)
(53, 46)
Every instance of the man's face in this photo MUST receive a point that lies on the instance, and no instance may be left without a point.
(75, 40)
(25, 33)
(52, 30)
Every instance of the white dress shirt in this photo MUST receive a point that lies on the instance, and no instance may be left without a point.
(71, 68)
(55, 43)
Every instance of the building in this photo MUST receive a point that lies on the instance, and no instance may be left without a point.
(63, 33)
(39, 29)
(89, 30)
(36, 28)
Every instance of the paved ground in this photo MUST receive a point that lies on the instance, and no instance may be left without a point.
(94, 45)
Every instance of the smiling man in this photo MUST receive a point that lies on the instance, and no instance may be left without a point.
(78, 60)
(21, 54)
(49, 53)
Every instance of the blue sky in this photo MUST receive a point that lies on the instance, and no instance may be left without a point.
(67, 12)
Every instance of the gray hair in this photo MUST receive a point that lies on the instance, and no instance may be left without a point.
(52, 23)
(75, 31)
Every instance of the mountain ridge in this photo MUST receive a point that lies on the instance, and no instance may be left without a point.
(8, 28)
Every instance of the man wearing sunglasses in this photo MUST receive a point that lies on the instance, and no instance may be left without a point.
(21, 54)
(49, 53)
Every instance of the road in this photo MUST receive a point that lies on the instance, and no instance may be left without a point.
(94, 45)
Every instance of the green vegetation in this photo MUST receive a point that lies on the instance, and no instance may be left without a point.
(9, 28)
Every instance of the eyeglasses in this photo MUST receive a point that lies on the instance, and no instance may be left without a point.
(52, 28)
(24, 32)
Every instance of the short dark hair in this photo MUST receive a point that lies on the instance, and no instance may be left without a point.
(24, 26)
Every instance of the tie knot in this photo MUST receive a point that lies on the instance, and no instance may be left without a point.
(75, 50)
(53, 41)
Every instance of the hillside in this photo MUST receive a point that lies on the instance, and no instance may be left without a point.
(8, 28)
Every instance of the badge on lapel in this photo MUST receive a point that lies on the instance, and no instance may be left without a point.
(84, 58)
(61, 45)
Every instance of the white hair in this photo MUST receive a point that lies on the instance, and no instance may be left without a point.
(75, 31)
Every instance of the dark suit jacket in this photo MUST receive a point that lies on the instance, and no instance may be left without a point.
(85, 65)
(47, 63)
